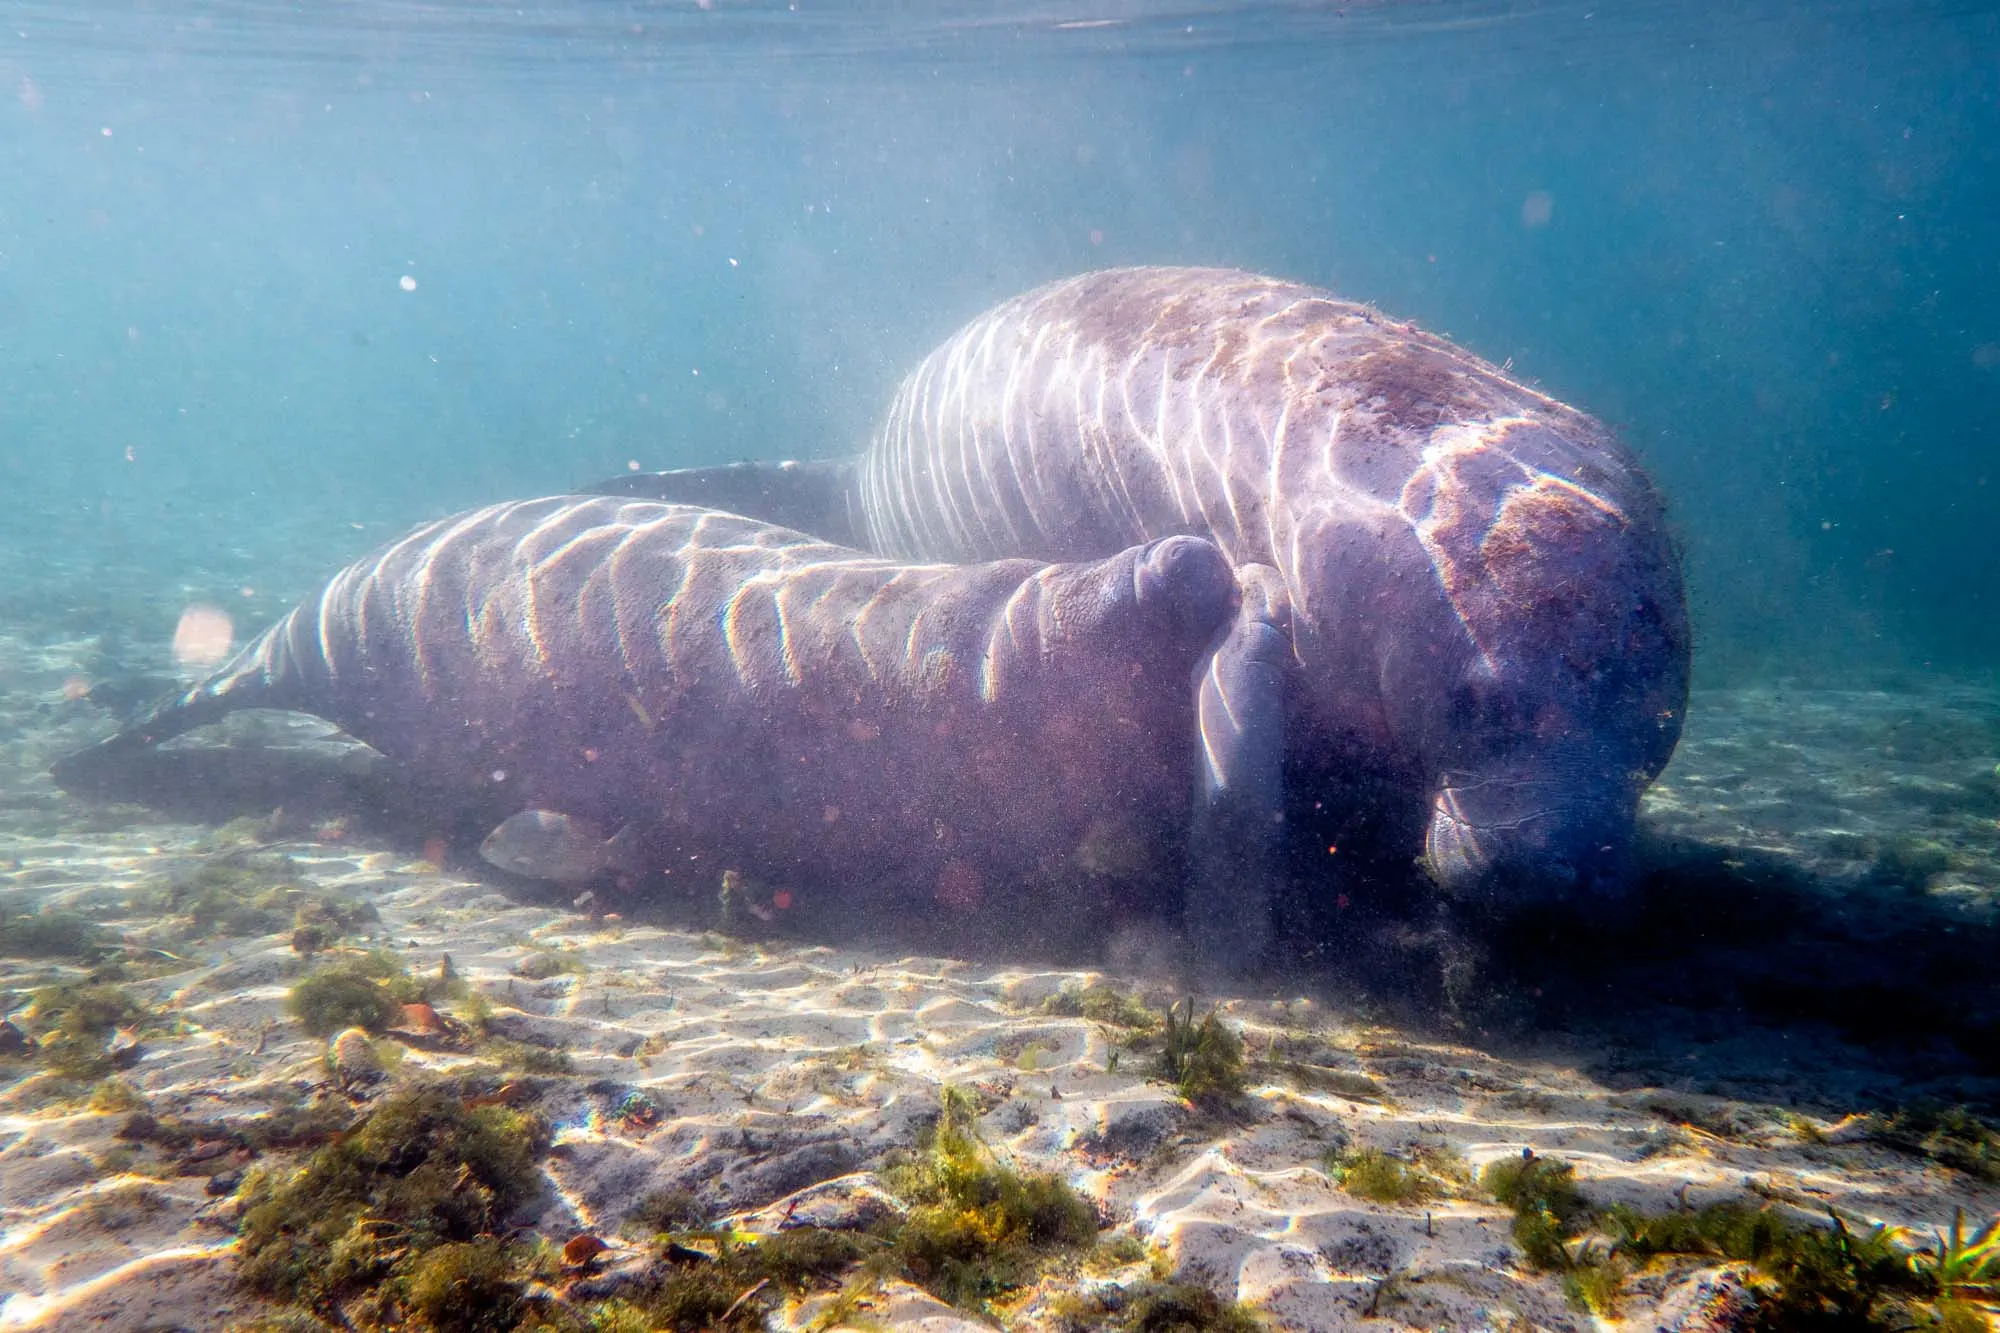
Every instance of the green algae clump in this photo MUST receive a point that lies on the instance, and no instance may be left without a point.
(367, 991)
(1157, 1307)
(1101, 1003)
(979, 1228)
(466, 1287)
(1204, 1061)
(72, 1020)
(50, 935)
(546, 963)
(1548, 1207)
(1379, 1177)
(1952, 1136)
(1834, 1277)
(350, 1233)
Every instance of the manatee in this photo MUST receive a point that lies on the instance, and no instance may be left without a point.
(726, 694)
(1462, 614)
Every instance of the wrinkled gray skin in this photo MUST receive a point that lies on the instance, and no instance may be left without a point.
(1453, 584)
(748, 697)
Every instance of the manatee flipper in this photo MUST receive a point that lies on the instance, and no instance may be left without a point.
(271, 671)
(1239, 808)
(812, 497)
(95, 769)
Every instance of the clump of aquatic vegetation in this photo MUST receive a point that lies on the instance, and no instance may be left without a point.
(1381, 1177)
(1952, 1136)
(1805, 1275)
(1348, 1083)
(509, 1053)
(1101, 1003)
(81, 1028)
(546, 963)
(48, 934)
(1157, 1306)
(238, 892)
(1203, 1060)
(400, 1220)
(378, 1227)
(362, 991)
(979, 1228)
(662, 1212)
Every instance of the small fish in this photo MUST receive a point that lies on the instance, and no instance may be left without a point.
(543, 844)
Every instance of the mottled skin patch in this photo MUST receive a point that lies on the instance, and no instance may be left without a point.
(749, 697)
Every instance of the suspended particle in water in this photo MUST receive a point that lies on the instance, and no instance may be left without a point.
(1537, 209)
(203, 637)
(407, 283)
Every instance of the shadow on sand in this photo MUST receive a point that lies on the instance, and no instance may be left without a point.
(1728, 972)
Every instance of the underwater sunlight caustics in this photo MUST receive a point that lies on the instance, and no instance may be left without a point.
(1458, 597)
(721, 692)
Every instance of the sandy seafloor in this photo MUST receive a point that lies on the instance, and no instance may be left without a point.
(779, 1064)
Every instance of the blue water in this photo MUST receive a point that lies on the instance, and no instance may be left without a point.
(276, 269)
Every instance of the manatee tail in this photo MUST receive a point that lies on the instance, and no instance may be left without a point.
(816, 498)
(258, 677)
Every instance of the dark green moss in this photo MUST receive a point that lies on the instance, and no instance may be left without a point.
(716, 1282)
(1596, 1282)
(1835, 1278)
(1548, 1208)
(1809, 1278)
(1347, 1083)
(319, 921)
(1159, 1307)
(796, 1259)
(979, 1228)
(548, 963)
(365, 991)
(232, 893)
(1950, 1135)
(662, 1211)
(1101, 1003)
(307, 1125)
(1204, 1061)
(50, 935)
(73, 1020)
(337, 998)
(526, 1057)
(467, 1287)
(1115, 1252)
(241, 892)
(421, 1170)
(1373, 1174)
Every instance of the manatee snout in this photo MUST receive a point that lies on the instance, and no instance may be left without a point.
(1186, 579)
(1515, 841)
